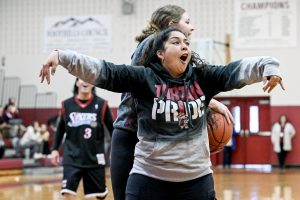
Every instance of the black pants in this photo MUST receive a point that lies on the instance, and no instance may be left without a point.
(121, 160)
(141, 187)
(281, 156)
(2, 151)
(227, 157)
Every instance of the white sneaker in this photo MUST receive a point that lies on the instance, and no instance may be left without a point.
(37, 156)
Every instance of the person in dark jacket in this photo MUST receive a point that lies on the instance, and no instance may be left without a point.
(124, 136)
(229, 147)
(173, 88)
(83, 118)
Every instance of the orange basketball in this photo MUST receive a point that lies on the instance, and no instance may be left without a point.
(219, 131)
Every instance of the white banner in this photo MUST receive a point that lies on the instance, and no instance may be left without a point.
(265, 23)
(80, 33)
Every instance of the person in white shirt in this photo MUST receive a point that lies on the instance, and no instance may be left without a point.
(31, 139)
(282, 134)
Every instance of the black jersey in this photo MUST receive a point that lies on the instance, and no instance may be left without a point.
(83, 124)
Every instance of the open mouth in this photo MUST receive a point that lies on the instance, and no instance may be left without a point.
(184, 57)
(85, 86)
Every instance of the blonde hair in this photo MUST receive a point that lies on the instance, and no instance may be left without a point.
(160, 20)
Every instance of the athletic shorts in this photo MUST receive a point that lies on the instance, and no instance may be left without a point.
(93, 181)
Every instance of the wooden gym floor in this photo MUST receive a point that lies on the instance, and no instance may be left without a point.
(230, 184)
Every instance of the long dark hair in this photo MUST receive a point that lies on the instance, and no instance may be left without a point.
(160, 20)
(75, 88)
(158, 43)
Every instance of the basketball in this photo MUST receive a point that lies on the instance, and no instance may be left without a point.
(219, 131)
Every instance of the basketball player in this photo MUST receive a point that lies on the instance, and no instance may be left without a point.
(172, 159)
(83, 119)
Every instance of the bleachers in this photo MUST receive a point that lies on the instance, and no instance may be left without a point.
(32, 106)
(11, 163)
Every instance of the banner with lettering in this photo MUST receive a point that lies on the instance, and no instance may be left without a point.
(265, 23)
(80, 33)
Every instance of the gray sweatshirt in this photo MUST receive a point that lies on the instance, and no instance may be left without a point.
(172, 128)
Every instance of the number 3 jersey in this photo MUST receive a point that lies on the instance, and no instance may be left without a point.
(83, 122)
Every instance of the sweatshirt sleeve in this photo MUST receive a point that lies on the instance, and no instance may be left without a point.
(106, 75)
(240, 73)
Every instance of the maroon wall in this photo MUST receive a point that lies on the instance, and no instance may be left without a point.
(43, 114)
(263, 143)
(292, 112)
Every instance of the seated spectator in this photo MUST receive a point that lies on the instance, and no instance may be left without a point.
(2, 147)
(3, 124)
(10, 111)
(1, 115)
(30, 139)
(12, 119)
(11, 100)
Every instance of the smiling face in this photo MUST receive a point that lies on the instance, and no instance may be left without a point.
(176, 53)
(84, 89)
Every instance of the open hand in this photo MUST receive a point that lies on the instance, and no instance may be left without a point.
(50, 64)
(270, 82)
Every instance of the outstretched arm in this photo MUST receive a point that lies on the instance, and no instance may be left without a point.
(82, 66)
(98, 72)
(49, 66)
(244, 72)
